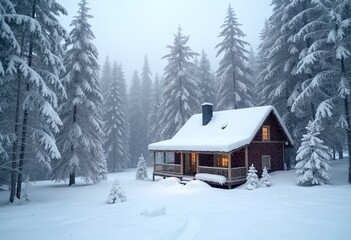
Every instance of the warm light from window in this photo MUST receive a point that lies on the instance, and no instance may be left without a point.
(193, 159)
(224, 161)
(265, 133)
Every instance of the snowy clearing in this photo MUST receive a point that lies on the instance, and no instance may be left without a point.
(169, 210)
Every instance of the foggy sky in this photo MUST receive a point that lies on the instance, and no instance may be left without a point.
(126, 30)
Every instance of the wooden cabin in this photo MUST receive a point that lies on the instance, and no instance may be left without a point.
(224, 143)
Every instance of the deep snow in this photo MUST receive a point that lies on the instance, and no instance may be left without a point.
(197, 211)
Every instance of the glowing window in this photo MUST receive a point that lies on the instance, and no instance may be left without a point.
(265, 133)
(193, 159)
(224, 161)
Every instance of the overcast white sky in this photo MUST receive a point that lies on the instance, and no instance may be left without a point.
(126, 30)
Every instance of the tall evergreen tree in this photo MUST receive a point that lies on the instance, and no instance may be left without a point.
(253, 64)
(180, 88)
(116, 125)
(106, 76)
(33, 122)
(155, 113)
(146, 91)
(82, 137)
(235, 86)
(135, 120)
(328, 56)
(206, 79)
(30, 65)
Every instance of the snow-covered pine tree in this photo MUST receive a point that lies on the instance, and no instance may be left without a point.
(81, 138)
(312, 159)
(146, 90)
(141, 172)
(252, 178)
(252, 63)
(235, 87)
(106, 76)
(8, 46)
(180, 89)
(277, 60)
(155, 113)
(206, 79)
(329, 57)
(116, 125)
(30, 64)
(262, 63)
(46, 60)
(266, 178)
(117, 194)
(135, 120)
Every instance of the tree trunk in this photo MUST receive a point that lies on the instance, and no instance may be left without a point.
(72, 175)
(347, 114)
(334, 153)
(14, 170)
(25, 118)
(340, 153)
(348, 132)
(21, 156)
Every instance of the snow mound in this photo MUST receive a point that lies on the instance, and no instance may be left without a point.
(197, 184)
(154, 212)
(211, 178)
(169, 182)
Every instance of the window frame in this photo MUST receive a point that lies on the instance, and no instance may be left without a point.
(268, 133)
(224, 163)
(266, 158)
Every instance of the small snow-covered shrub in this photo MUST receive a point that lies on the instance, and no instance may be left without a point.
(25, 192)
(141, 172)
(312, 159)
(117, 194)
(266, 178)
(252, 178)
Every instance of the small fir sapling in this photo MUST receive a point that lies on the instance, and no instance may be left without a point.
(312, 159)
(266, 178)
(141, 172)
(252, 178)
(117, 194)
(25, 191)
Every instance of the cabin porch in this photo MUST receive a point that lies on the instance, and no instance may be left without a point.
(232, 165)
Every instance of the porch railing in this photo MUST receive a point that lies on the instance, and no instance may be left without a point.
(214, 170)
(167, 168)
(237, 173)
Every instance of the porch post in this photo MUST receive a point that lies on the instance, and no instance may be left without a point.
(181, 164)
(197, 163)
(229, 166)
(246, 158)
(164, 157)
(154, 157)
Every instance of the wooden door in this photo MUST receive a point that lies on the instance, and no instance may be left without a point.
(190, 166)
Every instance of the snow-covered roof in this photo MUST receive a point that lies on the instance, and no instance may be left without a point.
(227, 131)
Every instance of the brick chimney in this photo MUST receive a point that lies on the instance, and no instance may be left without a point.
(207, 113)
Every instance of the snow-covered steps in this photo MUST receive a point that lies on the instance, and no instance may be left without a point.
(186, 179)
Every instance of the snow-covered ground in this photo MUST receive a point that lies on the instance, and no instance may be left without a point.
(166, 210)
